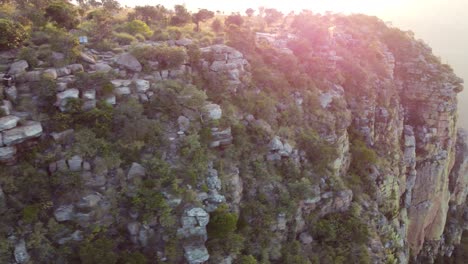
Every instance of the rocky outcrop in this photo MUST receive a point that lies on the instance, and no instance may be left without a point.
(20, 134)
(193, 232)
(223, 62)
(129, 62)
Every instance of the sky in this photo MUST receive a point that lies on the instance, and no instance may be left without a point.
(440, 23)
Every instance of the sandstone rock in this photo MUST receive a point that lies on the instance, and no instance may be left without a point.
(20, 134)
(212, 181)
(212, 111)
(65, 96)
(89, 201)
(184, 123)
(74, 68)
(21, 253)
(221, 138)
(196, 254)
(63, 136)
(8, 122)
(133, 228)
(118, 83)
(121, 91)
(276, 144)
(89, 95)
(201, 215)
(7, 153)
(184, 42)
(110, 100)
(87, 58)
(306, 238)
(18, 67)
(102, 67)
(75, 163)
(11, 93)
(50, 73)
(128, 61)
(64, 213)
(63, 71)
(142, 86)
(136, 171)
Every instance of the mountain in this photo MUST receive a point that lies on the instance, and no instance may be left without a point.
(303, 138)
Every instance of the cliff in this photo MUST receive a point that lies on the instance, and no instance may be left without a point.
(333, 140)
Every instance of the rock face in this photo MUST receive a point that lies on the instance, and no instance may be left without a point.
(227, 63)
(8, 122)
(21, 254)
(23, 133)
(212, 111)
(129, 62)
(193, 231)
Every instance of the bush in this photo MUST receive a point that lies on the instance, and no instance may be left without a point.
(124, 38)
(167, 57)
(63, 13)
(98, 251)
(222, 223)
(137, 27)
(13, 34)
(29, 54)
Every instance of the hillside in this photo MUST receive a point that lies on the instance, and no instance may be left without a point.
(178, 137)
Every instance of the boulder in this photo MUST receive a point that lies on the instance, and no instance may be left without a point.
(21, 253)
(57, 56)
(102, 67)
(184, 42)
(111, 99)
(196, 254)
(87, 58)
(8, 122)
(61, 86)
(200, 215)
(306, 238)
(142, 86)
(7, 153)
(89, 94)
(276, 144)
(121, 91)
(129, 62)
(50, 73)
(184, 123)
(63, 71)
(11, 93)
(18, 67)
(63, 97)
(133, 228)
(212, 111)
(89, 201)
(74, 68)
(20, 134)
(118, 83)
(75, 163)
(62, 136)
(136, 170)
(64, 213)
(88, 105)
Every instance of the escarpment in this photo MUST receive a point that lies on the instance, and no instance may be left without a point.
(334, 140)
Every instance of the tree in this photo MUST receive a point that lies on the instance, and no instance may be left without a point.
(201, 16)
(13, 34)
(249, 12)
(63, 13)
(216, 26)
(181, 17)
(149, 14)
(234, 19)
(272, 15)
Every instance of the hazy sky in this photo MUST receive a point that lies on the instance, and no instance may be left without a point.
(440, 23)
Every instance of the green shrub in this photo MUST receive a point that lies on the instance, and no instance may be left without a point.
(63, 13)
(140, 37)
(167, 57)
(98, 251)
(13, 34)
(124, 38)
(31, 213)
(222, 223)
(29, 54)
(137, 27)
